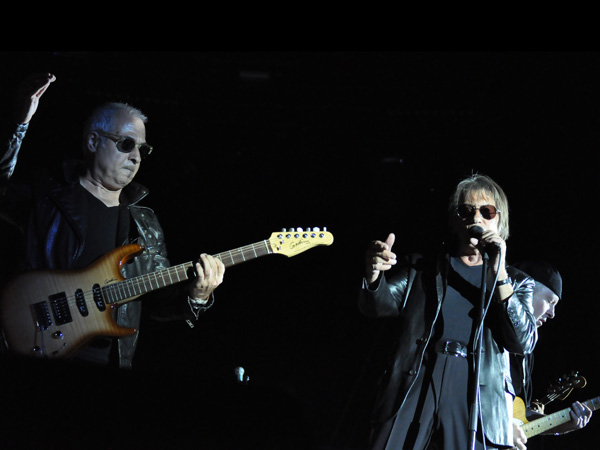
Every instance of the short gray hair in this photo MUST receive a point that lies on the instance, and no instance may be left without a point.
(103, 116)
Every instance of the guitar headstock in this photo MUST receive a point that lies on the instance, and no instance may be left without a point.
(563, 386)
(297, 240)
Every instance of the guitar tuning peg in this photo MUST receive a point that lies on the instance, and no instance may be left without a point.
(283, 230)
(299, 229)
(316, 229)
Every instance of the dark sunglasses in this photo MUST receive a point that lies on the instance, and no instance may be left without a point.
(126, 144)
(466, 211)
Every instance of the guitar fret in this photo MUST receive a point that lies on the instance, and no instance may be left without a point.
(107, 293)
(139, 286)
(127, 290)
(114, 289)
(150, 281)
(123, 289)
(593, 404)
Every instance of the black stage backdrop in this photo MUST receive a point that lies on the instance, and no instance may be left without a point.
(363, 143)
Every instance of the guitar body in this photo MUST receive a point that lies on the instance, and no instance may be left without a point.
(53, 313)
(519, 410)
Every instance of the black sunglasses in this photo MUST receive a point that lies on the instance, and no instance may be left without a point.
(126, 144)
(466, 211)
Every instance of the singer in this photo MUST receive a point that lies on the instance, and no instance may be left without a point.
(424, 399)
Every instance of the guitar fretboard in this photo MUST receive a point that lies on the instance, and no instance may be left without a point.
(553, 420)
(133, 287)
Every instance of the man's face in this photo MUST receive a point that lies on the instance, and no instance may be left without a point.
(463, 224)
(544, 304)
(114, 168)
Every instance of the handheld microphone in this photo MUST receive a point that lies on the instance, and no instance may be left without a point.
(476, 232)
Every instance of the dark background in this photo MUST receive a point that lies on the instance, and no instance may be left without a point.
(363, 143)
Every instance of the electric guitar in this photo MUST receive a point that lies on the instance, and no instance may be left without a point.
(553, 420)
(53, 313)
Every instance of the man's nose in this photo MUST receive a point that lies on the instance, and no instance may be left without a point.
(135, 155)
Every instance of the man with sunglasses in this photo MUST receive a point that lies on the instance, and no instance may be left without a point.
(70, 219)
(432, 302)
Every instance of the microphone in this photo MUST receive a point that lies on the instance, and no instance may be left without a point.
(476, 232)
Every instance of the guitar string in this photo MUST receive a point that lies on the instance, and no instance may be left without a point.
(113, 289)
(117, 289)
(547, 422)
(72, 299)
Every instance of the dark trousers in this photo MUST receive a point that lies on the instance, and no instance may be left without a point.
(435, 415)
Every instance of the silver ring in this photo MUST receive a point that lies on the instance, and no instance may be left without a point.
(374, 266)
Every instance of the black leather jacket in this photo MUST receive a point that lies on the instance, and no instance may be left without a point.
(44, 210)
(413, 295)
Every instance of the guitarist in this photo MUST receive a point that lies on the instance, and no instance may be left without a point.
(70, 218)
(546, 295)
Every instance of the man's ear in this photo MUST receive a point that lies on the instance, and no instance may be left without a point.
(92, 142)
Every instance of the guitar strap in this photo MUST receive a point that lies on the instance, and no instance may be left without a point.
(521, 368)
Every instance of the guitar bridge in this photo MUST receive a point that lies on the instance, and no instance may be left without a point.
(42, 316)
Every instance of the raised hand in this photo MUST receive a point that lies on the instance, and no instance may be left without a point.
(379, 258)
(28, 96)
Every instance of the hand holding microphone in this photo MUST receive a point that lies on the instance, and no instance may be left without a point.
(490, 243)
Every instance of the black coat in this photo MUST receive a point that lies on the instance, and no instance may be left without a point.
(412, 293)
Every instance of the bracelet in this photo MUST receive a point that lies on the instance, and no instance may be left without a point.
(197, 302)
(503, 282)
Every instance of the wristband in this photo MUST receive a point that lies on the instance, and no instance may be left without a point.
(503, 282)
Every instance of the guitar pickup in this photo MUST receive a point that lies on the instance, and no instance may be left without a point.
(98, 298)
(60, 308)
(80, 302)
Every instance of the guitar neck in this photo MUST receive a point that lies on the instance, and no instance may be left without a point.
(130, 288)
(553, 420)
